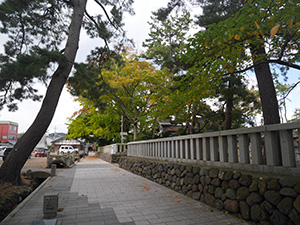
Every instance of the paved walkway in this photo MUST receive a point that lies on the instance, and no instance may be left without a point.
(95, 192)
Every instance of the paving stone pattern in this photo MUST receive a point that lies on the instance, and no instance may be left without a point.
(95, 192)
(136, 199)
(74, 208)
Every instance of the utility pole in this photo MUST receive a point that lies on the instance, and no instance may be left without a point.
(122, 133)
(122, 130)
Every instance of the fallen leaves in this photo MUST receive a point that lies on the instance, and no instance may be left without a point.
(115, 169)
(144, 186)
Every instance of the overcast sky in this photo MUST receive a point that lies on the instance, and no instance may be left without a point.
(137, 29)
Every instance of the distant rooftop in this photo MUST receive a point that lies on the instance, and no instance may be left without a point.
(61, 134)
(8, 122)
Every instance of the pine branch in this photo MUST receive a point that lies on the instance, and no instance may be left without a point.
(96, 24)
(107, 16)
(295, 85)
(278, 61)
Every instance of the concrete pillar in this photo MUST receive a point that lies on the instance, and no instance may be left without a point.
(169, 149)
(198, 148)
(232, 148)
(159, 149)
(223, 146)
(287, 148)
(214, 151)
(152, 150)
(172, 149)
(53, 170)
(181, 147)
(144, 149)
(256, 149)
(50, 205)
(165, 149)
(177, 156)
(187, 149)
(192, 147)
(206, 149)
(244, 148)
(273, 154)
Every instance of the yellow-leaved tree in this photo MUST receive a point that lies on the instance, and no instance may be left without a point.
(125, 86)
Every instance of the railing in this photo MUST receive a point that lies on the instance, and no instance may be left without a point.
(113, 149)
(272, 149)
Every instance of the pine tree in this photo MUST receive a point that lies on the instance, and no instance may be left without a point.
(35, 30)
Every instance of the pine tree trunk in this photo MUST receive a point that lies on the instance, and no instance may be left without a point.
(229, 106)
(266, 87)
(135, 128)
(228, 114)
(11, 168)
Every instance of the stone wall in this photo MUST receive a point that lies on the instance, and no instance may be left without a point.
(264, 199)
(112, 158)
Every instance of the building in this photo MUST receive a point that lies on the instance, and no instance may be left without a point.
(74, 143)
(45, 142)
(166, 126)
(8, 132)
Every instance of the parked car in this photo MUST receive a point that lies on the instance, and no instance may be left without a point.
(2, 149)
(6, 152)
(67, 149)
(40, 152)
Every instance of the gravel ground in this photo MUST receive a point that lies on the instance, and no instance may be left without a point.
(35, 164)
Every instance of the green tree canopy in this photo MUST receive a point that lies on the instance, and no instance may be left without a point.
(296, 116)
(35, 30)
(186, 101)
(238, 44)
(125, 87)
(94, 125)
(167, 40)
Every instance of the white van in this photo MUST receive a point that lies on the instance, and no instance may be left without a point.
(67, 149)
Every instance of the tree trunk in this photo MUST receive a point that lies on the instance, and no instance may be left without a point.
(229, 105)
(11, 168)
(266, 87)
(228, 114)
(135, 128)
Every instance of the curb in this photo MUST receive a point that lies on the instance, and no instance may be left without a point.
(21, 205)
